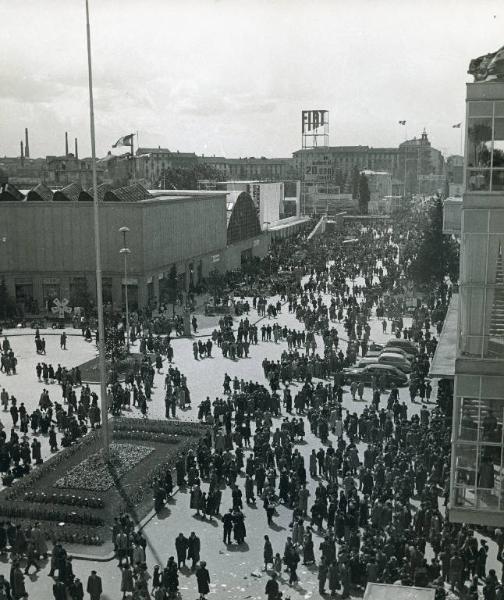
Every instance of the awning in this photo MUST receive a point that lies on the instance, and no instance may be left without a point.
(443, 363)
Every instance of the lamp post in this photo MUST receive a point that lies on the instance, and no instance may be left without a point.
(125, 251)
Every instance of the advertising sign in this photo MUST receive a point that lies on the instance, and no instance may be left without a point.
(311, 120)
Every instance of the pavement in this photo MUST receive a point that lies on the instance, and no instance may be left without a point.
(235, 572)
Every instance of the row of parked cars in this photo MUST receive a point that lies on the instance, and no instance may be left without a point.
(392, 360)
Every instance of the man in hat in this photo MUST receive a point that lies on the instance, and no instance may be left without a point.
(94, 586)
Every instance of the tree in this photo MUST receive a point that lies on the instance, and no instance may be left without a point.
(186, 178)
(363, 194)
(438, 254)
(355, 182)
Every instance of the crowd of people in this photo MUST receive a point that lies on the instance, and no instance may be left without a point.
(368, 501)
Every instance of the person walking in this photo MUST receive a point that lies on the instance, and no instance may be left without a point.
(94, 586)
(267, 552)
(203, 578)
(193, 549)
(272, 590)
(63, 340)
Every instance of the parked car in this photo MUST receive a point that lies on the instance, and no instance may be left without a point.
(366, 360)
(365, 374)
(406, 345)
(397, 360)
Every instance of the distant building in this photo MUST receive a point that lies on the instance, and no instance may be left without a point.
(379, 183)
(335, 164)
(264, 169)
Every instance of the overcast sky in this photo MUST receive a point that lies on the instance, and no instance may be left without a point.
(230, 77)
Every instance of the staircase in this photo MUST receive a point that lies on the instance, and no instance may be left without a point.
(496, 332)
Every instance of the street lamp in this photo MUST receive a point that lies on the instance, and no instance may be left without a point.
(125, 251)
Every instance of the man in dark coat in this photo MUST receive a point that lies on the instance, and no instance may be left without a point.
(203, 577)
(272, 588)
(94, 586)
(193, 549)
(227, 523)
(181, 543)
(59, 590)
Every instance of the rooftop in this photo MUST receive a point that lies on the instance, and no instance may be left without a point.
(443, 363)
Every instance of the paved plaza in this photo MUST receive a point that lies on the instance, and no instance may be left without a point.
(236, 572)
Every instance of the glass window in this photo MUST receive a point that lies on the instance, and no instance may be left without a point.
(478, 180)
(469, 419)
(497, 180)
(490, 421)
(479, 148)
(499, 109)
(465, 464)
(480, 109)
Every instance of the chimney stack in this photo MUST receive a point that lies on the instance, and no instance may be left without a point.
(66, 143)
(22, 151)
(76, 149)
(27, 145)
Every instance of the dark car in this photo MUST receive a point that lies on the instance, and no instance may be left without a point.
(406, 345)
(365, 374)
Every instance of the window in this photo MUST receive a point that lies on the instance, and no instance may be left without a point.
(478, 451)
(485, 146)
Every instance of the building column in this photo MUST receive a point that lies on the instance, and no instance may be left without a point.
(155, 287)
(142, 292)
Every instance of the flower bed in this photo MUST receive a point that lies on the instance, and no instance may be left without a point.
(95, 474)
(22, 511)
(147, 436)
(65, 499)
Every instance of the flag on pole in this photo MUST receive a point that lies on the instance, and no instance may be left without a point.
(126, 140)
(402, 122)
(457, 125)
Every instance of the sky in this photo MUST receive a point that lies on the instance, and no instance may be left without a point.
(231, 77)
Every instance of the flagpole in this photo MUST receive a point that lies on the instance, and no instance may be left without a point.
(99, 299)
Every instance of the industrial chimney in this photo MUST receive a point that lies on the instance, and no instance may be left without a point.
(76, 149)
(27, 145)
(22, 151)
(66, 143)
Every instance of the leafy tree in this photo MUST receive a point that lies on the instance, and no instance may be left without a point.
(363, 194)
(186, 178)
(438, 254)
(355, 178)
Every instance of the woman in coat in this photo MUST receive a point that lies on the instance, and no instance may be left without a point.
(126, 581)
(203, 577)
(18, 584)
(267, 553)
(308, 553)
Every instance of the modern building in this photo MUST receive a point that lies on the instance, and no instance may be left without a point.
(476, 487)
(47, 250)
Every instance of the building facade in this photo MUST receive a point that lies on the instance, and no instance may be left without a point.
(477, 490)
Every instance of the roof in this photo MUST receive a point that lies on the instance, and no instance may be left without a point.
(165, 151)
(40, 193)
(88, 195)
(11, 193)
(443, 363)
(70, 192)
(129, 193)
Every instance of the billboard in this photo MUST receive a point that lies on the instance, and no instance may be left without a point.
(311, 120)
